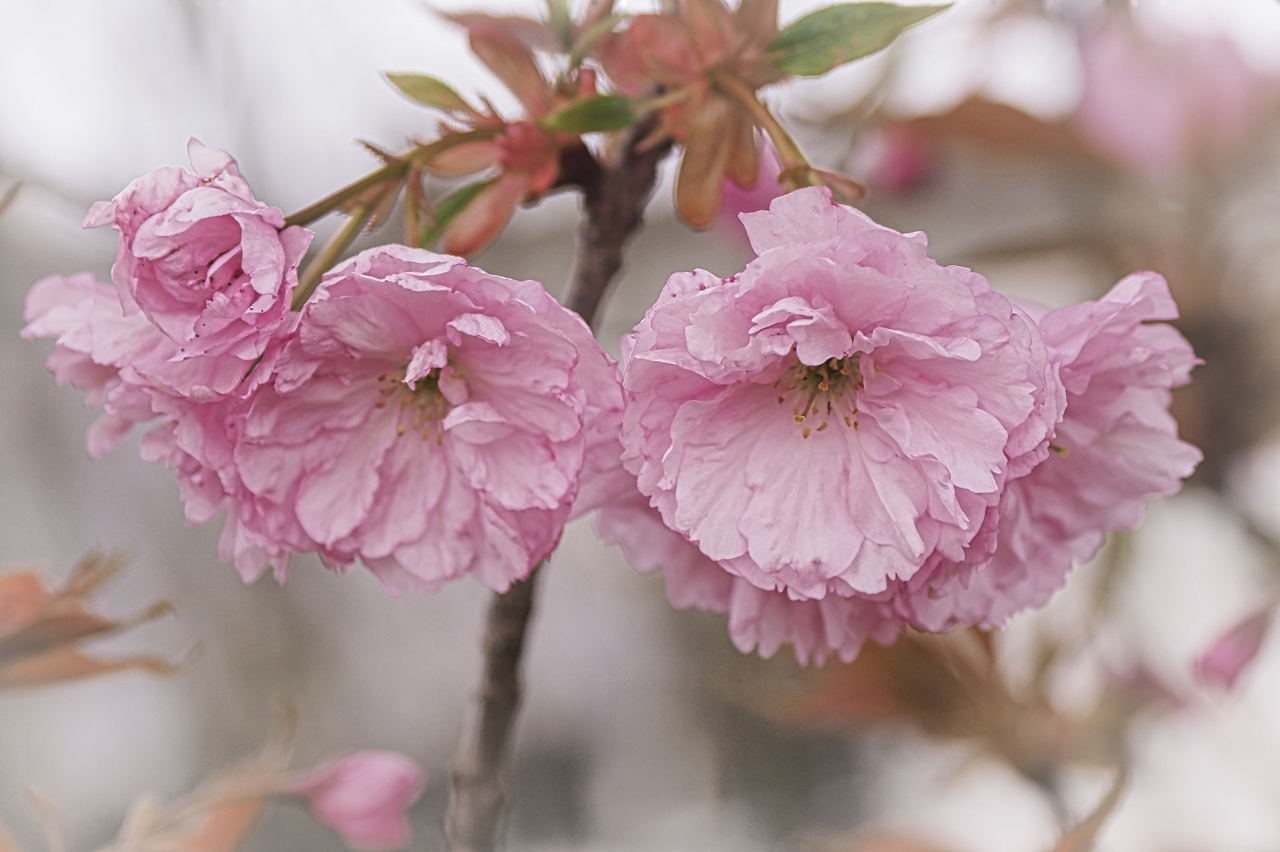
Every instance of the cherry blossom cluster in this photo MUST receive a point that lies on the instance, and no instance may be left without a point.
(417, 414)
(841, 441)
(846, 438)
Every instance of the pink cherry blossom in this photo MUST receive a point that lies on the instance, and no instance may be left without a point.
(1116, 445)
(1154, 104)
(838, 415)
(122, 361)
(211, 266)
(364, 796)
(712, 501)
(426, 418)
(758, 619)
(128, 367)
(1223, 662)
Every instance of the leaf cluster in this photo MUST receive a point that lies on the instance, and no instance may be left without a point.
(690, 74)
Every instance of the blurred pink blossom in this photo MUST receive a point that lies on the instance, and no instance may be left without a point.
(1223, 662)
(735, 200)
(364, 796)
(211, 266)
(892, 159)
(1156, 105)
(840, 414)
(427, 418)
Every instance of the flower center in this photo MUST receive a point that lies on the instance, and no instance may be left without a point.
(823, 391)
(422, 407)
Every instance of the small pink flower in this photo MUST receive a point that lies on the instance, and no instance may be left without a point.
(1223, 662)
(212, 267)
(427, 418)
(893, 159)
(838, 415)
(364, 796)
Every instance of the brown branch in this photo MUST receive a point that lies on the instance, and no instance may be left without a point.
(614, 207)
(476, 794)
(614, 197)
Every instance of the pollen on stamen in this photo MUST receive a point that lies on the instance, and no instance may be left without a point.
(806, 431)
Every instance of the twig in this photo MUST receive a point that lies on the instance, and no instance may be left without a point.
(614, 206)
(329, 255)
(476, 794)
(614, 197)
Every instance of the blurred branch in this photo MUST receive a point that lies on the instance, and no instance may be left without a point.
(7, 197)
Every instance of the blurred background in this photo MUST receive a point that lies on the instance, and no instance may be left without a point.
(1052, 146)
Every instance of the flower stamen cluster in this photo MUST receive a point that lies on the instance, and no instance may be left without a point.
(833, 380)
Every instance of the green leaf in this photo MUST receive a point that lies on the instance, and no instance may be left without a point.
(591, 115)
(430, 91)
(831, 36)
(451, 206)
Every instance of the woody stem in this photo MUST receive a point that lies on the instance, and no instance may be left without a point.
(615, 195)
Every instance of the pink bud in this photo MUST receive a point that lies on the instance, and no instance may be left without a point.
(1220, 666)
(364, 796)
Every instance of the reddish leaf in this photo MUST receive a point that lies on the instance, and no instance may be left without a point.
(39, 630)
(514, 65)
(758, 19)
(21, 597)
(67, 663)
(700, 181)
(744, 158)
(1001, 128)
(486, 215)
(712, 28)
(846, 188)
(223, 827)
(465, 159)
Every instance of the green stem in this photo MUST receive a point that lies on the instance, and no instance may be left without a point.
(329, 255)
(419, 156)
(329, 203)
(793, 159)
